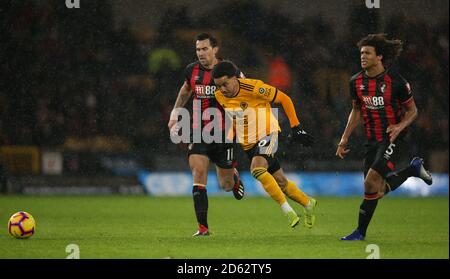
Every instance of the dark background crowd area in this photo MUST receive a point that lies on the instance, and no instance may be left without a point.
(73, 79)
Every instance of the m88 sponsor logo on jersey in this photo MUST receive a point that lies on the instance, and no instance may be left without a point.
(205, 91)
(374, 102)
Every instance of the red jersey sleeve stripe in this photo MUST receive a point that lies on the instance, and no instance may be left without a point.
(408, 101)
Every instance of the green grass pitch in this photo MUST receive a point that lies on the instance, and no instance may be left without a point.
(150, 227)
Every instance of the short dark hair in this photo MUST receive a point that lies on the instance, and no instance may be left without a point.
(206, 36)
(224, 68)
(390, 49)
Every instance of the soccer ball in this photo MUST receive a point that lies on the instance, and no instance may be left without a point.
(21, 225)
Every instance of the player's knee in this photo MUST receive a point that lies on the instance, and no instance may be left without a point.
(257, 171)
(282, 182)
(199, 174)
(370, 185)
(258, 163)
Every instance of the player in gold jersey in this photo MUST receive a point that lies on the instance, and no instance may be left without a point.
(256, 129)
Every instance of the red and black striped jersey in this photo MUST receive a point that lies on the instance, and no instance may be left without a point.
(203, 89)
(381, 100)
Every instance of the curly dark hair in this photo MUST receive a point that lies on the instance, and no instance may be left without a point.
(390, 49)
(224, 68)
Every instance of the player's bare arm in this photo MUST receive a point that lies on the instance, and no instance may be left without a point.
(352, 123)
(410, 115)
(183, 96)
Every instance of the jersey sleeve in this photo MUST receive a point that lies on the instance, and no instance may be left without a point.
(188, 73)
(265, 91)
(403, 90)
(352, 87)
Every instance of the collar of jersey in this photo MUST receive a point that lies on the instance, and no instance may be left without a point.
(239, 90)
(377, 76)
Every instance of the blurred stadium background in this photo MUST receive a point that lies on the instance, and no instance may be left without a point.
(86, 94)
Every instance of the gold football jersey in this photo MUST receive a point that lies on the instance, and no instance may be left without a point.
(249, 115)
